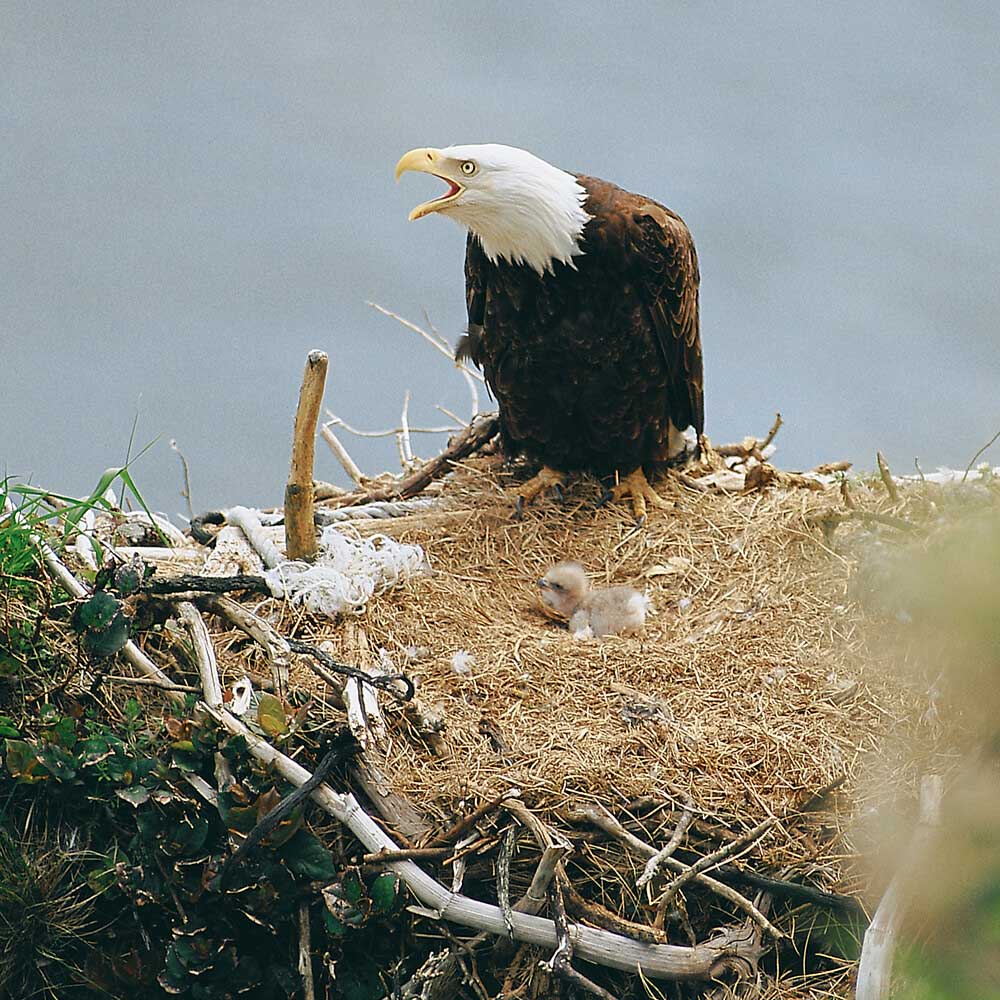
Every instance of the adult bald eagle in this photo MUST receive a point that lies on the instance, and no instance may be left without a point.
(583, 314)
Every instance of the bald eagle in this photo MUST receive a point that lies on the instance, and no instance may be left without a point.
(583, 314)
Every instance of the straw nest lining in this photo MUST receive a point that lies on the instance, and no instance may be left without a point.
(750, 689)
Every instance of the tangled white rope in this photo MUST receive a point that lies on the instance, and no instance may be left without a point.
(347, 574)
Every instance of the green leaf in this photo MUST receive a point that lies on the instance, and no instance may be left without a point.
(384, 892)
(108, 641)
(271, 715)
(62, 733)
(8, 729)
(21, 760)
(306, 857)
(135, 795)
(96, 612)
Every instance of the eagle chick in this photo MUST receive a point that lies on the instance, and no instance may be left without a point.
(605, 611)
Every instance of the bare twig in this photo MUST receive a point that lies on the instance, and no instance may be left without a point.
(968, 468)
(148, 682)
(300, 531)
(775, 427)
(435, 343)
(711, 860)
(883, 471)
(600, 817)
(341, 454)
(336, 421)
(404, 432)
(453, 833)
(305, 956)
(186, 491)
(477, 434)
(654, 863)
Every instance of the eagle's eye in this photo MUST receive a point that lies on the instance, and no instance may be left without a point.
(469, 167)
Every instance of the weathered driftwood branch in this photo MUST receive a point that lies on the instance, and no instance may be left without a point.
(657, 961)
(276, 649)
(341, 454)
(204, 653)
(875, 966)
(300, 532)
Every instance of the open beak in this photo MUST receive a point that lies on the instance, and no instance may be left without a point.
(429, 161)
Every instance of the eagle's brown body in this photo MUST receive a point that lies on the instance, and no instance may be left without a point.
(591, 364)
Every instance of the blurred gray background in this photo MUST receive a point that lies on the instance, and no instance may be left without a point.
(194, 195)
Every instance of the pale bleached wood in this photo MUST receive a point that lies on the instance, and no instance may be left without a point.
(875, 966)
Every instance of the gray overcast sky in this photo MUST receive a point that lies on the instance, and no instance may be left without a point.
(194, 195)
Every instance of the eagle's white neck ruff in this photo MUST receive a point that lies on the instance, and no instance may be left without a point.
(522, 209)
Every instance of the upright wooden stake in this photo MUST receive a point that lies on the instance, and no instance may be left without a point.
(300, 532)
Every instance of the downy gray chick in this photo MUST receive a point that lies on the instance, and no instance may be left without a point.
(605, 611)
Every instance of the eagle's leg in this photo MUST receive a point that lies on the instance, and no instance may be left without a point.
(547, 478)
(636, 486)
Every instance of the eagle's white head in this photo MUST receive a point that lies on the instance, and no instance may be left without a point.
(522, 209)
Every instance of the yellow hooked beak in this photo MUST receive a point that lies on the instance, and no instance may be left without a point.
(430, 161)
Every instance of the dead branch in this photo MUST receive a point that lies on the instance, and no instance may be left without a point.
(276, 649)
(341, 454)
(561, 962)
(300, 531)
(305, 958)
(711, 860)
(968, 468)
(601, 818)
(187, 583)
(474, 437)
(204, 653)
(436, 344)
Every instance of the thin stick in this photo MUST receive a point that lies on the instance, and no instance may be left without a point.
(340, 453)
(600, 817)
(968, 468)
(186, 492)
(300, 531)
(404, 432)
(561, 962)
(454, 832)
(775, 427)
(148, 682)
(477, 434)
(390, 431)
(711, 860)
(305, 957)
(437, 345)
(277, 650)
(883, 471)
(654, 863)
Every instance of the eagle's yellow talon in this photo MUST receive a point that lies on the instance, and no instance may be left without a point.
(544, 480)
(636, 486)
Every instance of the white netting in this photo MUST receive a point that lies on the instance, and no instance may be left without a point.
(347, 573)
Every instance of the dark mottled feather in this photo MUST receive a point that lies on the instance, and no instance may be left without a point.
(591, 364)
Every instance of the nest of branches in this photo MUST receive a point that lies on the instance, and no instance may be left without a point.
(612, 815)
